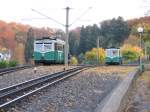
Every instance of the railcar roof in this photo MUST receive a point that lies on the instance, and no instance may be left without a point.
(50, 38)
(112, 49)
(55, 40)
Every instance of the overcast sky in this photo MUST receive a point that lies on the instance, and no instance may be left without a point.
(20, 11)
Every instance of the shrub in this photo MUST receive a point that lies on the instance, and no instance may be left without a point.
(81, 58)
(13, 63)
(130, 53)
(74, 61)
(3, 64)
(92, 55)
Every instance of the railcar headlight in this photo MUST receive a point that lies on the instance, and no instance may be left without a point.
(43, 54)
(43, 50)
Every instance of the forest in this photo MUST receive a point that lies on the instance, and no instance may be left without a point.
(17, 38)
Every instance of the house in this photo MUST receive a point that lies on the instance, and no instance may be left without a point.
(1, 56)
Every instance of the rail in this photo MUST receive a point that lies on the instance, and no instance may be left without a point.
(19, 91)
(13, 69)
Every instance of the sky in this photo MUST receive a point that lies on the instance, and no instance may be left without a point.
(20, 11)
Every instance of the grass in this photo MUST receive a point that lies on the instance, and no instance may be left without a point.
(120, 70)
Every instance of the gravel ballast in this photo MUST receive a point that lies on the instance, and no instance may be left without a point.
(27, 74)
(80, 93)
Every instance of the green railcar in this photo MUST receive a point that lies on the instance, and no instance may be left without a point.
(113, 56)
(48, 50)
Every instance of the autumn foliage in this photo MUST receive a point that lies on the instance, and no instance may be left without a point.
(136, 21)
(130, 52)
(94, 53)
(13, 37)
(145, 23)
(6, 36)
(73, 60)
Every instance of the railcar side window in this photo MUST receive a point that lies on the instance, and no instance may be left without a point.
(58, 47)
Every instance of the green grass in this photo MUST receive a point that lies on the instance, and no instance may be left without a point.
(5, 64)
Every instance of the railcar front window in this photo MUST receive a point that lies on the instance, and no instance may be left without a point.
(108, 53)
(115, 53)
(47, 46)
(112, 53)
(38, 46)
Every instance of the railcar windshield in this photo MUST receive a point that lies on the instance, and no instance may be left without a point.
(47, 46)
(38, 47)
(112, 52)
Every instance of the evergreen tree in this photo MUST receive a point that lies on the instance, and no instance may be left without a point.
(115, 31)
(82, 41)
(88, 38)
(29, 45)
(73, 43)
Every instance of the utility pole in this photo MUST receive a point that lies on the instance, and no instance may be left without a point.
(67, 36)
(140, 30)
(145, 50)
(98, 50)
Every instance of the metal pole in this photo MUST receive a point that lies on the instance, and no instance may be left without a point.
(141, 50)
(67, 36)
(145, 52)
(98, 50)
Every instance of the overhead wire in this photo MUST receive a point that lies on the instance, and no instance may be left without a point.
(80, 16)
(47, 17)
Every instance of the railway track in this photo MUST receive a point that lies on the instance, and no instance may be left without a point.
(11, 95)
(13, 69)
